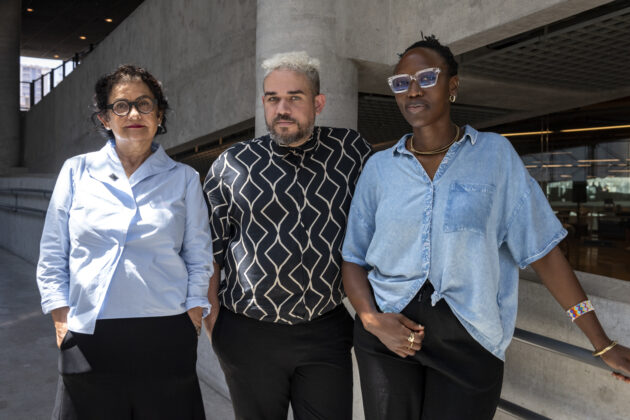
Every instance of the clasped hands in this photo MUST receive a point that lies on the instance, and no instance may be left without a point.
(397, 332)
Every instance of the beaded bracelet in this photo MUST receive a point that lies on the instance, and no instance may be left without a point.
(580, 309)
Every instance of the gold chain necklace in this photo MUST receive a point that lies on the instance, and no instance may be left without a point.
(436, 151)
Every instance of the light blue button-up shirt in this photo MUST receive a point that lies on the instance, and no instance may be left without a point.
(467, 231)
(118, 247)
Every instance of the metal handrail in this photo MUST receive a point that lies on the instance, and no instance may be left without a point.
(22, 209)
(25, 190)
(559, 347)
(519, 412)
(15, 208)
(555, 346)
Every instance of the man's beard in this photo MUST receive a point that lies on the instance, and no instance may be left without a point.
(288, 139)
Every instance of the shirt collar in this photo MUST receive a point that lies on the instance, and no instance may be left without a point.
(309, 146)
(469, 133)
(157, 162)
(105, 165)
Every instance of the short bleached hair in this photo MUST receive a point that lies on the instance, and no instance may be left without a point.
(298, 61)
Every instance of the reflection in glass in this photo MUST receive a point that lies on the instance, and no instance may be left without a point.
(589, 189)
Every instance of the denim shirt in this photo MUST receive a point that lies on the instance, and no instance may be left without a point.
(468, 230)
(118, 247)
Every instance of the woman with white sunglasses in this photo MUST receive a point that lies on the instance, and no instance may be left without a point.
(439, 225)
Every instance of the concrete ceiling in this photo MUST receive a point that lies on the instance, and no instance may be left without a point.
(563, 66)
(577, 62)
(53, 27)
(574, 63)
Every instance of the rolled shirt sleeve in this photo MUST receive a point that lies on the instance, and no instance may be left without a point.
(53, 274)
(197, 245)
(533, 229)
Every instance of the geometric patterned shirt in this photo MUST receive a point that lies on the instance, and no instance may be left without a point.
(278, 218)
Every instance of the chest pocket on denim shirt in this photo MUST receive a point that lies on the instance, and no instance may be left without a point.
(468, 207)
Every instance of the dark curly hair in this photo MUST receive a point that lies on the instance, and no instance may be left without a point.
(124, 73)
(432, 43)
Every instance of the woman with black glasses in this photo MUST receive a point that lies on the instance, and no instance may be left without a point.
(125, 260)
(438, 227)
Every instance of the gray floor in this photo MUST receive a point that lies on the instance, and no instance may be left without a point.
(28, 354)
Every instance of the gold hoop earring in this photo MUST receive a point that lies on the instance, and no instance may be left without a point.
(452, 98)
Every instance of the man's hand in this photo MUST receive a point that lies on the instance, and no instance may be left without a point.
(60, 319)
(211, 319)
(213, 298)
(195, 315)
(395, 331)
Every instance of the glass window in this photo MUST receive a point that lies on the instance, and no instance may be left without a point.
(588, 187)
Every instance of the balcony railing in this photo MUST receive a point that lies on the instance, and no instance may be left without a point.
(16, 207)
(43, 85)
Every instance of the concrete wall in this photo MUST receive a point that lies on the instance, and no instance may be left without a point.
(313, 27)
(20, 232)
(205, 53)
(10, 25)
(202, 51)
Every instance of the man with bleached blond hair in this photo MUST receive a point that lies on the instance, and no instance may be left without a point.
(279, 205)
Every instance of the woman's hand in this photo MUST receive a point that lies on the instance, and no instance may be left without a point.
(618, 358)
(395, 331)
(195, 315)
(60, 319)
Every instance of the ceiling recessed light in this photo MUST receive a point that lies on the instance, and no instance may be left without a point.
(82, 37)
(108, 20)
(29, 10)
(56, 56)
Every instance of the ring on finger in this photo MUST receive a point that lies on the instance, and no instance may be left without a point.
(411, 338)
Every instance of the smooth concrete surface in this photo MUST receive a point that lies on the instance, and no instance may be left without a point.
(313, 27)
(21, 231)
(10, 22)
(375, 30)
(28, 354)
(202, 51)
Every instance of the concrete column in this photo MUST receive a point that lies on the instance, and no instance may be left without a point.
(10, 22)
(311, 26)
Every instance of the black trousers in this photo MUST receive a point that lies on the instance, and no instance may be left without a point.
(451, 377)
(268, 365)
(131, 368)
